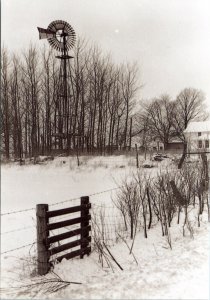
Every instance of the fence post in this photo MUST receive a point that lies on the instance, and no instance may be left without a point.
(137, 157)
(84, 213)
(42, 234)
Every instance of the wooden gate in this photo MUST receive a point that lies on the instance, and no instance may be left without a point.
(45, 242)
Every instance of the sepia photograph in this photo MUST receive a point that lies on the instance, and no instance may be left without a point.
(105, 155)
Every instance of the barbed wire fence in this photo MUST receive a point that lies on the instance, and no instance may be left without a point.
(24, 228)
(111, 220)
(105, 216)
(26, 253)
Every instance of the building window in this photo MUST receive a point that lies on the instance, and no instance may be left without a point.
(199, 144)
(207, 144)
(199, 133)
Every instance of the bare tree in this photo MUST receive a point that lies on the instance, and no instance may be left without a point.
(159, 119)
(129, 88)
(128, 202)
(5, 104)
(16, 107)
(143, 130)
(48, 94)
(32, 80)
(189, 106)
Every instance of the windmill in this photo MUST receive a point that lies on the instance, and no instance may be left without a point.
(61, 36)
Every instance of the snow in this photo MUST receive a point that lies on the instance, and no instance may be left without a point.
(180, 273)
(202, 126)
(161, 273)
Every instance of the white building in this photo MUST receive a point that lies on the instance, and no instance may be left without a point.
(156, 145)
(197, 135)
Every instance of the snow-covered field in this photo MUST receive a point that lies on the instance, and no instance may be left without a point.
(157, 272)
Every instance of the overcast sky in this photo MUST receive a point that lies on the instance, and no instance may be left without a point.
(169, 39)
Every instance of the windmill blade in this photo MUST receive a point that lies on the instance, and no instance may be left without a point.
(61, 29)
(45, 33)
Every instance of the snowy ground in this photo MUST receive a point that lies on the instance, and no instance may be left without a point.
(161, 273)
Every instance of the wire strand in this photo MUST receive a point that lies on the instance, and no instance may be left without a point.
(19, 229)
(24, 246)
(17, 211)
(60, 202)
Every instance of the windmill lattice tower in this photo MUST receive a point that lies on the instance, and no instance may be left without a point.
(61, 37)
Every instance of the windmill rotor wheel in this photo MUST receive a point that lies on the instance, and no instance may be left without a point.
(62, 30)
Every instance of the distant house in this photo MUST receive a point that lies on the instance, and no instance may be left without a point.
(197, 135)
(175, 144)
(156, 144)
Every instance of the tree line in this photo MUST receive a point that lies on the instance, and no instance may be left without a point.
(101, 113)
(97, 114)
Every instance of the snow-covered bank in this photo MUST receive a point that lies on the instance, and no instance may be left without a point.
(180, 273)
(161, 273)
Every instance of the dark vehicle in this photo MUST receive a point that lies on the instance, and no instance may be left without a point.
(164, 155)
(158, 158)
(147, 164)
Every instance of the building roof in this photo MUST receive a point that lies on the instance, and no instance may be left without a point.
(175, 140)
(198, 127)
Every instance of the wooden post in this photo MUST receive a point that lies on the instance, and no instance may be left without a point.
(137, 158)
(84, 213)
(77, 154)
(42, 234)
(183, 156)
(130, 134)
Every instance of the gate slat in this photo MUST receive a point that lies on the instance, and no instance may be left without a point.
(59, 212)
(68, 234)
(69, 245)
(74, 221)
(74, 253)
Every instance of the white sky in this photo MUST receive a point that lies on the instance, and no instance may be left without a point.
(169, 39)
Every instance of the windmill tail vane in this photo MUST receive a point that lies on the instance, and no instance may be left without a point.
(46, 33)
